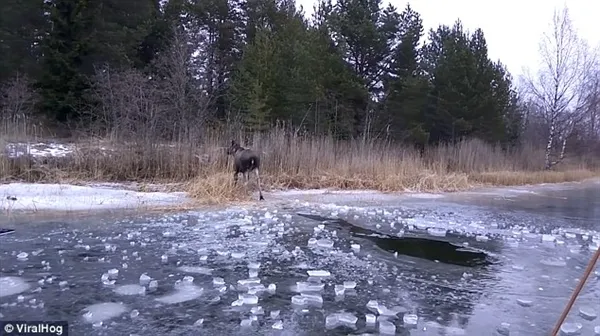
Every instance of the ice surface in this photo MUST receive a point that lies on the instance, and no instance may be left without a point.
(570, 328)
(12, 285)
(33, 196)
(597, 330)
(183, 292)
(558, 262)
(588, 313)
(133, 289)
(100, 312)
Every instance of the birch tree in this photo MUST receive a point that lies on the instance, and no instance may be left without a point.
(558, 88)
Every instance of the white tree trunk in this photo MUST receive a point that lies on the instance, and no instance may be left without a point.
(551, 135)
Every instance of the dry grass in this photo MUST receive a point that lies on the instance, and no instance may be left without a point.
(295, 162)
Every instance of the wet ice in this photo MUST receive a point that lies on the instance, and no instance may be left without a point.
(12, 285)
(132, 289)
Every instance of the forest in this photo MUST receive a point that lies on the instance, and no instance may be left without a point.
(356, 95)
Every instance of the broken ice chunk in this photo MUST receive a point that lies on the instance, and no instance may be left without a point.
(113, 273)
(277, 325)
(302, 286)
(410, 320)
(245, 323)
(349, 284)
(339, 289)
(504, 329)
(347, 319)
(524, 303)
(258, 310)
(318, 273)
(387, 328)
(274, 314)
(313, 299)
(152, 285)
(370, 320)
(250, 299)
(325, 243)
(331, 321)
(436, 232)
(355, 248)
(569, 328)
(144, 279)
(298, 300)
(588, 313)
(373, 306)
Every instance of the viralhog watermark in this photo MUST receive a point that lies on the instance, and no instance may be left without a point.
(31, 328)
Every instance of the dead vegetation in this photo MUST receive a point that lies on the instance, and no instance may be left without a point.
(295, 162)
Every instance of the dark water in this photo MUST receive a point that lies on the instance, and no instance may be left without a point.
(466, 264)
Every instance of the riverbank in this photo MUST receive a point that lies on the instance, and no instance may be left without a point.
(204, 172)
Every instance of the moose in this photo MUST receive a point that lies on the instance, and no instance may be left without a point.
(245, 161)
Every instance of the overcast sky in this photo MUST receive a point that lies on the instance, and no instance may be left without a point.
(512, 29)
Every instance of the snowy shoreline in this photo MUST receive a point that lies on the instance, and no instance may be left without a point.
(41, 197)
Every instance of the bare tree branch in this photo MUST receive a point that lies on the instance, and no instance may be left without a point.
(558, 89)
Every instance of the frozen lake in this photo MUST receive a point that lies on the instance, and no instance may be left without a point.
(490, 262)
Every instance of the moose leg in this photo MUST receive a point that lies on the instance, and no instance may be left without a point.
(261, 198)
(235, 178)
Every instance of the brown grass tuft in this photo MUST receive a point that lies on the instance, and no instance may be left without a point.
(217, 188)
(508, 178)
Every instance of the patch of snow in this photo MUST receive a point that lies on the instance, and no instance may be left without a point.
(33, 196)
(40, 149)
